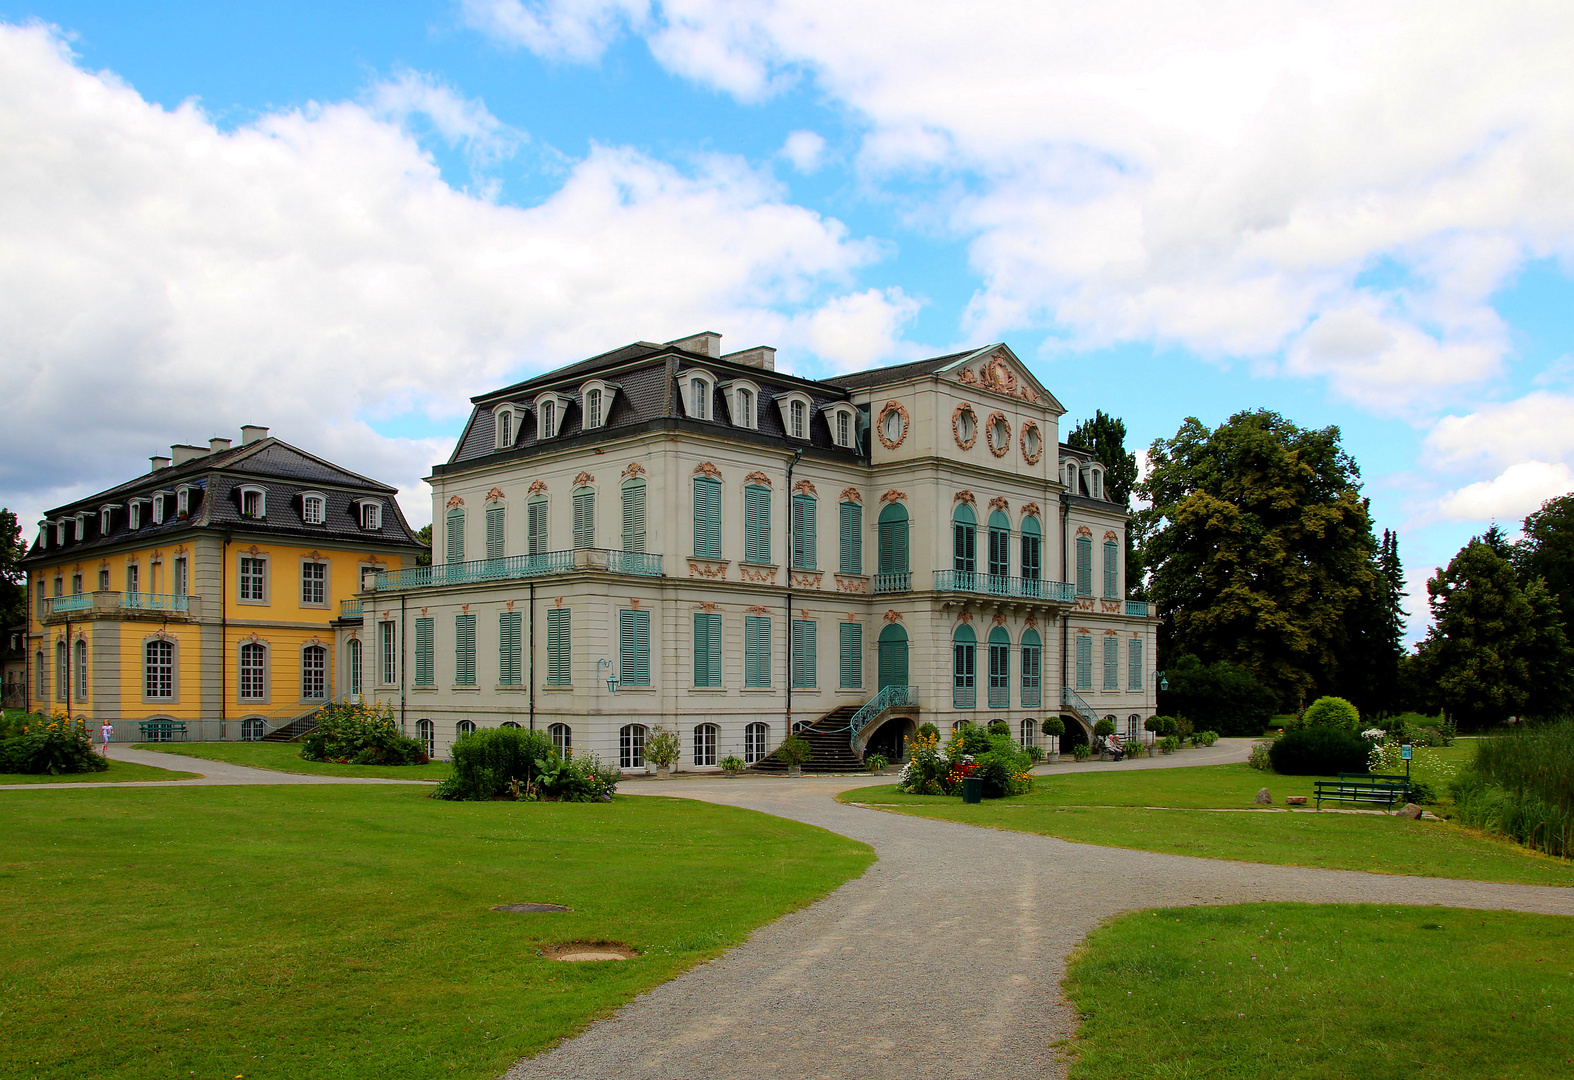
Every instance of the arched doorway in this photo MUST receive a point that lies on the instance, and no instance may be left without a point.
(1076, 732)
(893, 657)
(890, 739)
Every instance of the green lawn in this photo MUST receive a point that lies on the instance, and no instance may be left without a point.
(1264, 991)
(347, 932)
(286, 757)
(118, 772)
(1109, 808)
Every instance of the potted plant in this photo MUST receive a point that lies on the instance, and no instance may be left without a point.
(1054, 727)
(1080, 751)
(1169, 744)
(732, 765)
(876, 764)
(795, 750)
(1102, 731)
(663, 747)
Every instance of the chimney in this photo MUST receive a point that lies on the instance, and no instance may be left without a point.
(762, 356)
(159, 462)
(250, 433)
(183, 452)
(706, 344)
(216, 444)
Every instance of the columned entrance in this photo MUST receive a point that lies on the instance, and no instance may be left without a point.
(893, 656)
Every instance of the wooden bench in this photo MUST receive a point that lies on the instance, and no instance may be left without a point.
(1365, 788)
(162, 730)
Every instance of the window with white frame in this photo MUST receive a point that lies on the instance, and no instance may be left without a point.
(103, 579)
(314, 508)
(134, 514)
(182, 582)
(371, 514)
(81, 527)
(550, 409)
(314, 583)
(756, 739)
(133, 578)
(843, 427)
(463, 728)
(797, 410)
(253, 502)
(705, 744)
(253, 578)
(503, 421)
(183, 501)
(253, 671)
(60, 533)
(695, 387)
(562, 739)
(631, 746)
(596, 399)
(388, 648)
(743, 402)
(314, 672)
(426, 731)
(593, 408)
(353, 661)
(158, 669)
(105, 520)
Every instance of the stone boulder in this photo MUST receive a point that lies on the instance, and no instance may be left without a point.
(1411, 811)
(1263, 798)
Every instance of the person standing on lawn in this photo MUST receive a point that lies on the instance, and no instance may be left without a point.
(105, 733)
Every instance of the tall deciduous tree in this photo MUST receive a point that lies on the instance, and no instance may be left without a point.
(1547, 551)
(13, 588)
(1260, 547)
(1105, 437)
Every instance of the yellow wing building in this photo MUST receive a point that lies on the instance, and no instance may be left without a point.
(213, 597)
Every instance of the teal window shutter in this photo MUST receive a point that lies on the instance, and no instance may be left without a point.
(1032, 669)
(999, 669)
(1032, 549)
(893, 540)
(756, 650)
(559, 647)
(455, 549)
(999, 545)
(1084, 566)
(803, 532)
(964, 541)
(852, 537)
(634, 516)
(634, 648)
(509, 648)
(584, 518)
(803, 653)
(494, 532)
(1111, 662)
(852, 654)
(536, 526)
(964, 671)
(707, 649)
(1111, 570)
(425, 652)
(756, 524)
(464, 650)
(707, 518)
(1134, 665)
(1084, 662)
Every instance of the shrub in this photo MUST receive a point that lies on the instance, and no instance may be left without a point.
(1053, 725)
(732, 765)
(1135, 748)
(360, 733)
(1205, 738)
(57, 745)
(928, 730)
(1183, 727)
(795, 750)
(1004, 771)
(1080, 751)
(581, 778)
(488, 761)
(876, 763)
(1170, 743)
(1104, 728)
(663, 747)
(968, 739)
(1225, 697)
(1260, 758)
(1035, 754)
(1330, 712)
(1319, 751)
(926, 768)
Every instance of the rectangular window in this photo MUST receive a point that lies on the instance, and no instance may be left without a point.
(536, 527)
(1084, 662)
(62, 672)
(804, 542)
(756, 650)
(314, 672)
(253, 662)
(251, 504)
(999, 553)
(634, 648)
(804, 633)
(707, 518)
(852, 538)
(1134, 665)
(756, 524)
(182, 576)
(510, 651)
(1084, 566)
(103, 580)
(1112, 663)
(560, 645)
(253, 578)
(354, 661)
(1111, 570)
(454, 551)
(1032, 676)
(159, 670)
(314, 583)
(76, 584)
(852, 655)
(705, 744)
(43, 594)
(464, 650)
(964, 547)
(584, 519)
(634, 516)
(1032, 554)
(425, 652)
(707, 649)
(133, 576)
(389, 643)
(495, 537)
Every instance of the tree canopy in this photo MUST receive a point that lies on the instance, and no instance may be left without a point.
(1260, 547)
(13, 587)
(1546, 551)
(1105, 437)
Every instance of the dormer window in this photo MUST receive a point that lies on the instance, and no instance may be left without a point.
(106, 520)
(134, 514)
(60, 536)
(183, 501)
(81, 527)
(158, 509)
(371, 513)
(506, 427)
(253, 502)
(596, 400)
(1096, 482)
(314, 508)
(797, 411)
(550, 408)
(593, 408)
(743, 403)
(844, 426)
(697, 385)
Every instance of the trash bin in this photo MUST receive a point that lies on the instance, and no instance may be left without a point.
(972, 789)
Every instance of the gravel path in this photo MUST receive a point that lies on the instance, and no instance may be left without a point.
(213, 774)
(943, 960)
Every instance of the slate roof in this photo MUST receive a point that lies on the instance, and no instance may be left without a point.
(857, 380)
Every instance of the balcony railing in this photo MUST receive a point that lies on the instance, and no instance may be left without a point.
(105, 604)
(1016, 588)
(1137, 608)
(350, 609)
(888, 697)
(62, 605)
(148, 601)
(515, 567)
(893, 583)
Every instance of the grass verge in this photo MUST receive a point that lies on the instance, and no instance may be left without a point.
(1262, 991)
(286, 757)
(347, 931)
(1108, 808)
(118, 773)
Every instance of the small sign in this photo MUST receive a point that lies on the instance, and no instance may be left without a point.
(1406, 753)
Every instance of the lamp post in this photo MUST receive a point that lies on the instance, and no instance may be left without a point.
(612, 679)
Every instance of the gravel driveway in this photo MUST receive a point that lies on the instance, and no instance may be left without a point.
(944, 959)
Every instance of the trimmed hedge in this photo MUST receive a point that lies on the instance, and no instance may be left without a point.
(1319, 751)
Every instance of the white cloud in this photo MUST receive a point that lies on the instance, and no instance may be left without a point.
(567, 29)
(855, 331)
(1215, 177)
(459, 120)
(805, 149)
(1536, 427)
(162, 280)
(1517, 491)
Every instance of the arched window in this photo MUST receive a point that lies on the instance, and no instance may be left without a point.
(62, 672)
(631, 746)
(183, 501)
(964, 668)
(547, 427)
(158, 670)
(253, 672)
(314, 672)
(747, 415)
(892, 528)
(699, 399)
(562, 739)
(353, 652)
(426, 731)
(158, 509)
(509, 723)
(804, 531)
(584, 518)
(999, 668)
(1134, 727)
(463, 728)
(314, 509)
(105, 517)
(844, 428)
(42, 678)
(1032, 549)
(705, 744)
(592, 408)
(252, 729)
(1027, 731)
(756, 738)
(964, 542)
(79, 658)
(1032, 669)
(454, 551)
(958, 725)
(505, 428)
(799, 412)
(634, 515)
(999, 547)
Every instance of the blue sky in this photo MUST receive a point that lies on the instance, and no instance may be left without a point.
(342, 220)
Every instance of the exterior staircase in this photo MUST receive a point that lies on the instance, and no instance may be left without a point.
(295, 729)
(827, 737)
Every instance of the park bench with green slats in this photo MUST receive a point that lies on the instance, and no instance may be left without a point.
(162, 730)
(1364, 787)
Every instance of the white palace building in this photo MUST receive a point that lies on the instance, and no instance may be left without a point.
(669, 534)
